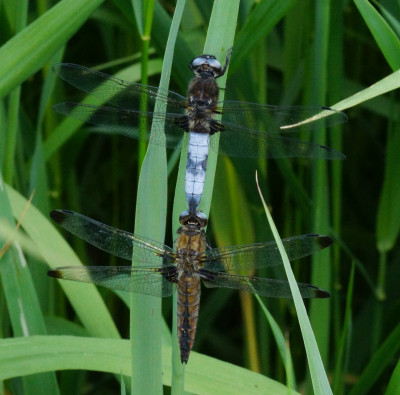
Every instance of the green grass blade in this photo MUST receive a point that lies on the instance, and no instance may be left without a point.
(38, 180)
(391, 18)
(283, 347)
(384, 36)
(318, 375)
(388, 218)
(340, 352)
(382, 358)
(146, 327)
(146, 310)
(3, 130)
(394, 383)
(137, 7)
(385, 85)
(29, 50)
(12, 134)
(320, 313)
(14, 109)
(145, 34)
(336, 137)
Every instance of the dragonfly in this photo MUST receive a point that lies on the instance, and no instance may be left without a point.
(245, 130)
(158, 270)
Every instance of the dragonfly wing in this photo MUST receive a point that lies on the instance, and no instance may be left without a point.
(155, 281)
(126, 122)
(276, 119)
(238, 141)
(260, 255)
(112, 240)
(261, 286)
(123, 94)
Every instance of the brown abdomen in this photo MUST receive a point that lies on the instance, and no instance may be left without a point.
(188, 312)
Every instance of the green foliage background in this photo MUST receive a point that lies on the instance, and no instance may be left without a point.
(344, 54)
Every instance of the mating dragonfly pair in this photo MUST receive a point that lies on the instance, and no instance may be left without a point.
(157, 269)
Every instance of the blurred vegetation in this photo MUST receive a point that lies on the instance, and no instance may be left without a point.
(285, 53)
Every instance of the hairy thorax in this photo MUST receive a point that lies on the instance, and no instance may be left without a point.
(202, 102)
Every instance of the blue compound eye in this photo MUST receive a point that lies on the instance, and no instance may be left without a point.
(184, 214)
(202, 219)
(214, 64)
(199, 61)
(201, 215)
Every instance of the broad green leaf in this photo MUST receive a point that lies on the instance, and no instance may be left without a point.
(204, 375)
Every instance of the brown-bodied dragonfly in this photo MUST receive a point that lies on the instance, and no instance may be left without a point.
(158, 269)
(247, 129)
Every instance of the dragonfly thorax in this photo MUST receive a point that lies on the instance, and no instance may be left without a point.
(202, 95)
(190, 243)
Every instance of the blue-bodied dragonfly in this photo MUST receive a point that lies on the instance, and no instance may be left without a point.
(158, 269)
(246, 129)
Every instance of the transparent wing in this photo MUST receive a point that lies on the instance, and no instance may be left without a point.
(241, 142)
(261, 286)
(126, 122)
(144, 280)
(114, 241)
(277, 119)
(261, 255)
(254, 130)
(123, 94)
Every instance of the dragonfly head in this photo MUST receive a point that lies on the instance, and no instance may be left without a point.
(206, 66)
(198, 219)
(209, 66)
